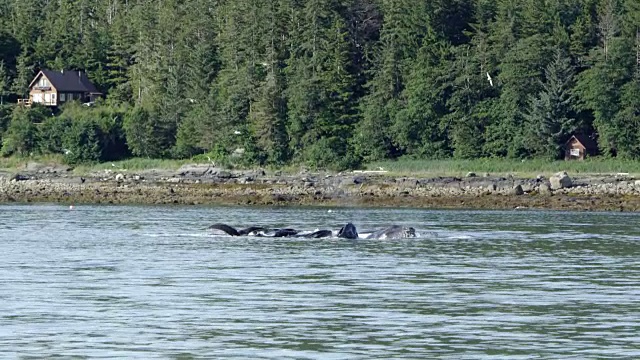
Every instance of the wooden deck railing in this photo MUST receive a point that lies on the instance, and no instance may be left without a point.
(28, 102)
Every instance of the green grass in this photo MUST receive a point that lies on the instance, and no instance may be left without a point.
(18, 162)
(136, 164)
(449, 167)
(523, 168)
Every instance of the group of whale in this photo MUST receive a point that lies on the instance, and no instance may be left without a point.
(348, 231)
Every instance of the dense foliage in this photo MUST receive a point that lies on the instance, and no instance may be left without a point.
(328, 83)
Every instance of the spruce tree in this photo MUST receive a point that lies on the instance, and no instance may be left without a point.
(550, 118)
(402, 33)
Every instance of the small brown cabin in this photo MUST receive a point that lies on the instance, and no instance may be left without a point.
(54, 88)
(579, 146)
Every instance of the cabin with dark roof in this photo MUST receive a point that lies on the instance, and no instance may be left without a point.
(580, 146)
(54, 88)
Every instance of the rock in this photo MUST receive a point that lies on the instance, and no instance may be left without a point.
(254, 174)
(544, 188)
(517, 190)
(237, 153)
(540, 177)
(223, 174)
(174, 180)
(471, 174)
(120, 177)
(560, 181)
(528, 187)
(194, 169)
(19, 177)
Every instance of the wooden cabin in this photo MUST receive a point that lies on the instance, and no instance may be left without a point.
(54, 88)
(578, 147)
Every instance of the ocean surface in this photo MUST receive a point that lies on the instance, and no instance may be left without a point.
(152, 282)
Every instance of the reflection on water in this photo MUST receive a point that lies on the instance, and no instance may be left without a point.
(150, 282)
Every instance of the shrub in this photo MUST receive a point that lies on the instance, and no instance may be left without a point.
(82, 141)
(330, 153)
(140, 131)
(21, 135)
(52, 133)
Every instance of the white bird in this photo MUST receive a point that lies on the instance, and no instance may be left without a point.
(67, 151)
(489, 78)
(237, 132)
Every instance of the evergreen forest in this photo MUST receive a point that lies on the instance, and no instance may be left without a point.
(324, 83)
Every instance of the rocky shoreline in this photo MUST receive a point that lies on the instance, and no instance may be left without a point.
(207, 185)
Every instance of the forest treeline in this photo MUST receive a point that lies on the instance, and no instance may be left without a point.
(327, 83)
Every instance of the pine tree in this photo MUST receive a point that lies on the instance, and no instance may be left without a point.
(598, 87)
(4, 82)
(401, 37)
(320, 94)
(627, 121)
(24, 74)
(470, 104)
(268, 116)
(550, 117)
(417, 129)
(119, 52)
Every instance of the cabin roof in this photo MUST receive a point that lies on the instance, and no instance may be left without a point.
(586, 141)
(72, 81)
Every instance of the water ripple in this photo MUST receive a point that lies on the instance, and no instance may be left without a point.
(118, 282)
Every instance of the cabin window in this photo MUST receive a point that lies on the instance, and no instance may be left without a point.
(63, 97)
(43, 82)
(575, 152)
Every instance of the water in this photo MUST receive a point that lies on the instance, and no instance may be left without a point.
(149, 282)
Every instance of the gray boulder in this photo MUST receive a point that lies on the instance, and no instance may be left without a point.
(517, 190)
(560, 181)
(544, 188)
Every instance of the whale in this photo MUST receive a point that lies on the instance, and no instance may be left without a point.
(392, 232)
(261, 231)
(349, 231)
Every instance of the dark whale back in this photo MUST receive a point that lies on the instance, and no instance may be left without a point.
(348, 232)
(410, 232)
(317, 234)
(251, 229)
(285, 232)
(226, 228)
